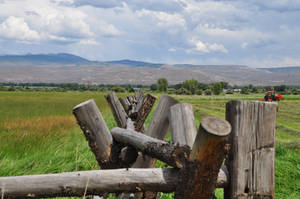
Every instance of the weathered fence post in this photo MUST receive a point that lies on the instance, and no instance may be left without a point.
(117, 109)
(158, 127)
(182, 124)
(199, 175)
(95, 130)
(252, 155)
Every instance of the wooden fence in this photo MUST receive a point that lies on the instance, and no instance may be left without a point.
(236, 154)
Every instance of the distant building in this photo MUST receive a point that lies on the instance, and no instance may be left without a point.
(237, 90)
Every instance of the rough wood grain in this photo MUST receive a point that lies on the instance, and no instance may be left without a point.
(183, 130)
(95, 130)
(125, 103)
(169, 153)
(251, 158)
(139, 97)
(199, 175)
(91, 182)
(117, 109)
(158, 127)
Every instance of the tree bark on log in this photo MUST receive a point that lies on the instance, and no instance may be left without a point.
(199, 175)
(117, 109)
(95, 130)
(143, 111)
(171, 154)
(88, 183)
(158, 128)
(183, 129)
(252, 155)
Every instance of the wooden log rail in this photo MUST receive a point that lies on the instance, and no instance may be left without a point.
(88, 183)
(93, 183)
(171, 154)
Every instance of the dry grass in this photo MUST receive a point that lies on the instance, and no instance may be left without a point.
(37, 128)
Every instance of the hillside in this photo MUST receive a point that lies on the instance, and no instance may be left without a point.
(58, 68)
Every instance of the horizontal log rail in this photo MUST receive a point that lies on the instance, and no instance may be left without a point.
(93, 183)
(171, 154)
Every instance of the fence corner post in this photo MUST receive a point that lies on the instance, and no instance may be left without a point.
(251, 159)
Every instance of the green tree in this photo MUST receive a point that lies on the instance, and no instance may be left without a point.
(190, 85)
(217, 88)
(199, 92)
(207, 92)
(224, 85)
(203, 86)
(254, 90)
(245, 90)
(153, 87)
(162, 84)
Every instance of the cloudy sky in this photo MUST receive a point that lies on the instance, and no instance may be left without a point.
(257, 33)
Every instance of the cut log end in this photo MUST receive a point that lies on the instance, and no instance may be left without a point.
(216, 126)
(83, 104)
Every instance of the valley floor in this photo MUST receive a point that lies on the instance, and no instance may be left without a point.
(38, 134)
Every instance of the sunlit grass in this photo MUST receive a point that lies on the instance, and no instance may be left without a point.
(39, 134)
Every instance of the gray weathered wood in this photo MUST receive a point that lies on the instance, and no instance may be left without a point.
(117, 109)
(139, 96)
(95, 130)
(88, 182)
(169, 153)
(158, 127)
(251, 158)
(183, 130)
(199, 175)
(125, 103)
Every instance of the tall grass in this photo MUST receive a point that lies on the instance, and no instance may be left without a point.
(38, 134)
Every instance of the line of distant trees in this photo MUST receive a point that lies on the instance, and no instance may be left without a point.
(188, 87)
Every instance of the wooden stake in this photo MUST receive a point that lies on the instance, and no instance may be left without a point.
(182, 124)
(143, 111)
(117, 109)
(95, 130)
(199, 175)
(158, 127)
(252, 155)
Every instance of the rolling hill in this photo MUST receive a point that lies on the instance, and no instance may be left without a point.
(58, 68)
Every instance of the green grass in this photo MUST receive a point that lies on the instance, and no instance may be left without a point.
(38, 134)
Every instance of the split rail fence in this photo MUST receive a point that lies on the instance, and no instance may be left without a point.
(236, 154)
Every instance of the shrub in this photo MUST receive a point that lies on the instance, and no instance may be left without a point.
(199, 92)
(207, 92)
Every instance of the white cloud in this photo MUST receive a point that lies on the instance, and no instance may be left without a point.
(217, 47)
(163, 18)
(206, 47)
(226, 31)
(17, 28)
(89, 42)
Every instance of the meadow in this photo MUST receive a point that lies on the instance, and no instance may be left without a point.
(39, 134)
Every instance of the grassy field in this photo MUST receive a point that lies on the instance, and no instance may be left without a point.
(38, 134)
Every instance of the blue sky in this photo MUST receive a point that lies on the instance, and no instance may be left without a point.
(257, 33)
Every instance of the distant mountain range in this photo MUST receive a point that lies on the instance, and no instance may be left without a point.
(60, 58)
(65, 67)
